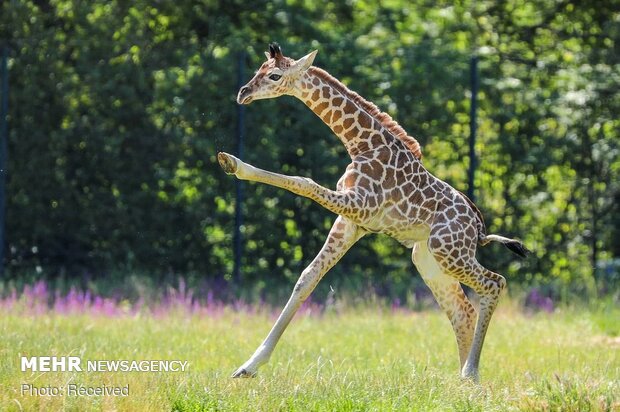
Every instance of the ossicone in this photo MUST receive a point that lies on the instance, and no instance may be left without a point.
(274, 50)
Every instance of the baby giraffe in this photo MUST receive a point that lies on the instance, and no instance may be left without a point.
(385, 189)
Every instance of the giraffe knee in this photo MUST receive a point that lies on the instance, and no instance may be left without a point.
(501, 282)
(493, 285)
(306, 283)
(306, 182)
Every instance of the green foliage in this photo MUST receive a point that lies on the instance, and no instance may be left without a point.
(117, 111)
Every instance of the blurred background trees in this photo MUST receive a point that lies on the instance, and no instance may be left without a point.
(117, 110)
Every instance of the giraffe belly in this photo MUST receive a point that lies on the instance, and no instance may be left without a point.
(406, 228)
(411, 235)
(406, 234)
(390, 221)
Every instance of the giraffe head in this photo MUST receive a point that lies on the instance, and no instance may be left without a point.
(275, 77)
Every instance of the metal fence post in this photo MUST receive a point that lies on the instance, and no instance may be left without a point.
(4, 137)
(473, 126)
(238, 241)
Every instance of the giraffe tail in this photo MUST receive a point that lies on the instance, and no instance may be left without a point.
(514, 245)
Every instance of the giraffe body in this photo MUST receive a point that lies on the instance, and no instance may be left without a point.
(385, 189)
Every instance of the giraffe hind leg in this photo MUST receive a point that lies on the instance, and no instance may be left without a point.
(489, 286)
(456, 256)
(450, 297)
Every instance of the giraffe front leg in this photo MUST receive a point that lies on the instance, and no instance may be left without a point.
(346, 203)
(341, 237)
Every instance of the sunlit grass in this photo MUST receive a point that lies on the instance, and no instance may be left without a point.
(356, 359)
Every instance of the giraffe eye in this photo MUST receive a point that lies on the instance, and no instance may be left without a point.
(275, 77)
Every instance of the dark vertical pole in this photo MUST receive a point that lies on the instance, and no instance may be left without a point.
(473, 125)
(4, 137)
(593, 205)
(238, 243)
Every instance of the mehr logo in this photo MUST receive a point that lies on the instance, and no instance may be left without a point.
(51, 364)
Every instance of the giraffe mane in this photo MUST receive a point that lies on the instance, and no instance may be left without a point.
(383, 118)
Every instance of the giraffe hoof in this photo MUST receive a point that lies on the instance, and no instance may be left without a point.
(242, 373)
(470, 375)
(227, 163)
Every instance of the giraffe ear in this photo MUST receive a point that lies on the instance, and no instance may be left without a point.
(305, 62)
(267, 55)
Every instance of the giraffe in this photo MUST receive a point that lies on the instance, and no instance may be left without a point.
(385, 189)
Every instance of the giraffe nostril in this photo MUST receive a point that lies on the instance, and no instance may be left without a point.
(244, 95)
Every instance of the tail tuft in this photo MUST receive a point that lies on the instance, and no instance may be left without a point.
(515, 246)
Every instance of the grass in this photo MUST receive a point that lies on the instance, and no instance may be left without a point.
(352, 359)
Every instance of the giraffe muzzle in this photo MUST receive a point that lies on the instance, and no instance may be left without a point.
(244, 96)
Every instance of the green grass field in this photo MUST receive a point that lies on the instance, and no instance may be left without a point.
(354, 360)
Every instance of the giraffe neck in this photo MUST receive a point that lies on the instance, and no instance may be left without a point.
(329, 99)
(359, 124)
